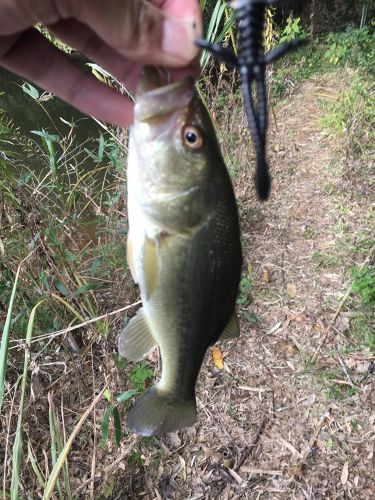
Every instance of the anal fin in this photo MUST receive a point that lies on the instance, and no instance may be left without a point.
(232, 330)
(136, 340)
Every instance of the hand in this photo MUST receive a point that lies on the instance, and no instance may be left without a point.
(119, 35)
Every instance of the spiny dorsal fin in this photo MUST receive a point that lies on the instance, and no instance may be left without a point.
(136, 340)
(232, 330)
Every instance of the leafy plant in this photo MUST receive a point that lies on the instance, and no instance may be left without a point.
(221, 20)
(351, 119)
(293, 31)
(364, 284)
(355, 47)
(246, 285)
(112, 412)
(140, 375)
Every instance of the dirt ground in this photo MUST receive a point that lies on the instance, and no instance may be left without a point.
(292, 413)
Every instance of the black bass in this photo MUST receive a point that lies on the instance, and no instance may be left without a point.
(184, 248)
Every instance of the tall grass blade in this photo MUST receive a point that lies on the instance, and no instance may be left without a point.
(213, 27)
(35, 466)
(221, 13)
(64, 453)
(54, 435)
(5, 338)
(57, 445)
(18, 442)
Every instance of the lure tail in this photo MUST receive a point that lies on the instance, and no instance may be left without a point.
(252, 63)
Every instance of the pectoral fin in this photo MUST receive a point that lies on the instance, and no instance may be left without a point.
(232, 330)
(136, 340)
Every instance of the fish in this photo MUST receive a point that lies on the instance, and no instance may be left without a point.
(183, 247)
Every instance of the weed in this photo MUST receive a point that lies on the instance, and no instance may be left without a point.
(250, 317)
(135, 459)
(355, 47)
(364, 283)
(293, 31)
(329, 444)
(299, 66)
(140, 375)
(351, 119)
(354, 424)
(362, 328)
(246, 285)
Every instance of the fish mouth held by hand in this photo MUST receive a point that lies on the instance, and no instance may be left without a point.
(156, 97)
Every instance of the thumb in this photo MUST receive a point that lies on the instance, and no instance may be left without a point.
(139, 30)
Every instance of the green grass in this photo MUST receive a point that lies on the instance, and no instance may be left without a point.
(60, 202)
(140, 375)
(351, 119)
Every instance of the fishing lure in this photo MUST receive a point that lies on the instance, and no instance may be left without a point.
(251, 63)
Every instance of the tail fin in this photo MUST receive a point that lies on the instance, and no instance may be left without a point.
(157, 412)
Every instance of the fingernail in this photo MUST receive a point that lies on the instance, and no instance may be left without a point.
(178, 39)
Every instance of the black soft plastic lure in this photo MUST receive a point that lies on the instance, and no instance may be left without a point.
(251, 63)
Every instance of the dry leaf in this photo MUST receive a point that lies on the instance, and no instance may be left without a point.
(342, 323)
(345, 473)
(2, 249)
(183, 467)
(291, 290)
(218, 358)
(266, 276)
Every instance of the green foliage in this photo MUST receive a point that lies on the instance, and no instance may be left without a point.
(219, 20)
(355, 47)
(246, 285)
(112, 413)
(140, 375)
(364, 283)
(135, 459)
(351, 119)
(297, 67)
(293, 31)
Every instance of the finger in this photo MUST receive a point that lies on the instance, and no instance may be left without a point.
(137, 29)
(189, 9)
(83, 39)
(78, 35)
(34, 58)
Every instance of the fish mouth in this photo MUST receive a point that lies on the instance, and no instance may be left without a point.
(156, 97)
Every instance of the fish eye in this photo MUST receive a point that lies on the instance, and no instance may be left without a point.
(192, 137)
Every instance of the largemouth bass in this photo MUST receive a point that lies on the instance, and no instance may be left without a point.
(184, 247)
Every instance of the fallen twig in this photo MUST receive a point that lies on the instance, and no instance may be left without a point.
(345, 370)
(298, 468)
(249, 449)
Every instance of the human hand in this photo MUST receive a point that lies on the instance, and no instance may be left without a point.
(119, 35)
